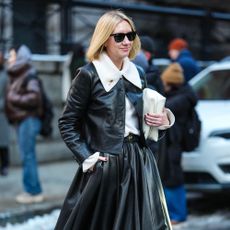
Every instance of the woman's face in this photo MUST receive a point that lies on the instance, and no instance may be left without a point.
(117, 51)
(173, 54)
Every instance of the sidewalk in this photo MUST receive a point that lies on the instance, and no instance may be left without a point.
(55, 179)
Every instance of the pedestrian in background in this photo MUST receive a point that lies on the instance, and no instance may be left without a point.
(117, 185)
(78, 59)
(141, 60)
(152, 72)
(145, 58)
(180, 99)
(5, 128)
(75, 59)
(178, 51)
(23, 106)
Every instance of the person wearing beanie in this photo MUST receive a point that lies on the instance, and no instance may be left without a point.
(173, 74)
(178, 44)
(145, 60)
(147, 45)
(178, 50)
(152, 71)
(180, 98)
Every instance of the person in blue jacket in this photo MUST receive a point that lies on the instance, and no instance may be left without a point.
(179, 52)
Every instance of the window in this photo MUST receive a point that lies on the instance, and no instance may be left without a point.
(214, 86)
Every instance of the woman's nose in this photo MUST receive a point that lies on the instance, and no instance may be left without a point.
(126, 40)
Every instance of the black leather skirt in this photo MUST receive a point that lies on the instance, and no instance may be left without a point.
(124, 193)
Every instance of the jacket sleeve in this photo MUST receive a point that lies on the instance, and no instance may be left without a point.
(73, 117)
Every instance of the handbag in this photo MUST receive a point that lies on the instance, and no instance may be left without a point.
(153, 102)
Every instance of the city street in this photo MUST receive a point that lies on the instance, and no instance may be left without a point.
(83, 71)
(212, 214)
(205, 212)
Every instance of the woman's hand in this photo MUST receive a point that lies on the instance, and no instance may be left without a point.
(100, 158)
(103, 158)
(156, 119)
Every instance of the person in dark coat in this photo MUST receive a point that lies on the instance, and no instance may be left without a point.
(117, 185)
(179, 52)
(77, 58)
(5, 128)
(180, 98)
(152, 71)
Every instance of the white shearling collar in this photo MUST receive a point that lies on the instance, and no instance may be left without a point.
(109, 74)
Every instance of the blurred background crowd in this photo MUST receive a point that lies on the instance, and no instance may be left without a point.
(179, 40)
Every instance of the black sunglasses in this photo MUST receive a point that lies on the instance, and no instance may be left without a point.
(119, 37)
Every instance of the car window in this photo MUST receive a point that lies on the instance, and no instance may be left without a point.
(214, 86)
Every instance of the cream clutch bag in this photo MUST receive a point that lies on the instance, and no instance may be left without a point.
(153, 102)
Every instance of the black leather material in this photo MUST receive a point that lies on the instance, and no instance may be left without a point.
(93, 119)
(124, 193)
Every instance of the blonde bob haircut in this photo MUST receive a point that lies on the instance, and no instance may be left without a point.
(104, 28)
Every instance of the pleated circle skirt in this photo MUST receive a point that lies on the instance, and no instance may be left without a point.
(124, 193)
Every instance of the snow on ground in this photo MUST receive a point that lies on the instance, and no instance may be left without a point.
(45, 222)
(215, 221)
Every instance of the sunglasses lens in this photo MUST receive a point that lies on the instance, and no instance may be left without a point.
(131, 36)
(119, 37)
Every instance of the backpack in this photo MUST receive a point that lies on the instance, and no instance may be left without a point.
(191, 132)
(47, 113)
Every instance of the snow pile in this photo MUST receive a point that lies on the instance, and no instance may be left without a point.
(216, 221)
(45, 222)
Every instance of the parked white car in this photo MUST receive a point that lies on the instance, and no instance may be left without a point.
(207, 168)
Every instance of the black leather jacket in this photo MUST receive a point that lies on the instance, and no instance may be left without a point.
(93, 119)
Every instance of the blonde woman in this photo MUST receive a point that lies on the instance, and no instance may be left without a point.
(117, 185)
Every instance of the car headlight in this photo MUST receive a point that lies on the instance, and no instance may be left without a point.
(221, 133)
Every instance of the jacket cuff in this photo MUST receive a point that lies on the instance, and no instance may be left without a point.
(171, 118)
(90, 161)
